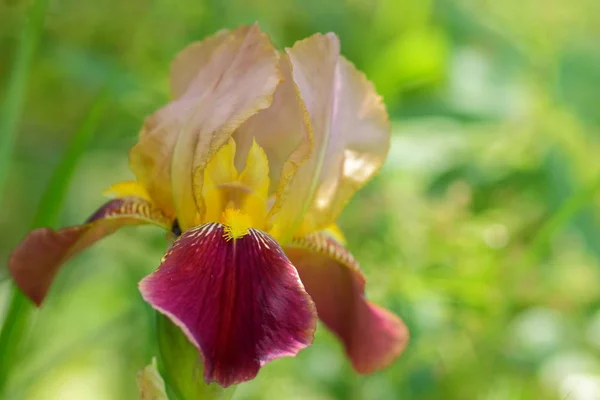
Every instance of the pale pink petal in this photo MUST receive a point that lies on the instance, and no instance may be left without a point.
(218, 84)
(238, 81)
(192, 59)
(282, 130)
(351, 134)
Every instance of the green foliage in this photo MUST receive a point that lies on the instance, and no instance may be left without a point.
(482, 230)
(181, 366)
(18, 316)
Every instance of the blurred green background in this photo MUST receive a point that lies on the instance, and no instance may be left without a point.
(482, 230)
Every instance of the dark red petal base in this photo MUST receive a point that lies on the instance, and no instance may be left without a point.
(239, 301)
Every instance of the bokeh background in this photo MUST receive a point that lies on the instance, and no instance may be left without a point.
(482, 230)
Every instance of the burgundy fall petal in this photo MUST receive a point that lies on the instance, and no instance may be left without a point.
(239, 301)
(38, 258)
(372, 336)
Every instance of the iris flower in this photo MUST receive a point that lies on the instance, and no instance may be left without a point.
(249, 166)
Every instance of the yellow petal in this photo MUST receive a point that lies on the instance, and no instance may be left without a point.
(336, 233)
(237, 81)
(255, 177)
(246, 192)
(220, 170)
(127, 189)
(351, 136)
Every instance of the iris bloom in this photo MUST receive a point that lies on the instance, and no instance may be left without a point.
(249, 166)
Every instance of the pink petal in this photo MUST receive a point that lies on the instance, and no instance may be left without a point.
(238, 82)
(285, 152)
(191, 60)
(372, 336)
(37, 259)
(351, 134)
(218, 84)
(240, 301)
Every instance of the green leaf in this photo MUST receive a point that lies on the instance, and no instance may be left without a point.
(16, 88)
(18, 316)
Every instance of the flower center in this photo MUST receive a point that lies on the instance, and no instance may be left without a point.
(238, 200)
(235, 223)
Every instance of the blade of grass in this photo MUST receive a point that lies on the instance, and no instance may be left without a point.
(50, 204)
(559, 219)
(16, 85)
(20, 310)
(9, 116)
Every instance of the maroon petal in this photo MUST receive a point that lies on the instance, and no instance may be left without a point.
(240, 301)
(372, 336)
(37, 259)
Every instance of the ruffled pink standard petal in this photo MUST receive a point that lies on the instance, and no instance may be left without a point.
(282, 130)
(238, 82)
(37, 259)
(217, 83)
(239, 301)
(351, 134)
(372, 336)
